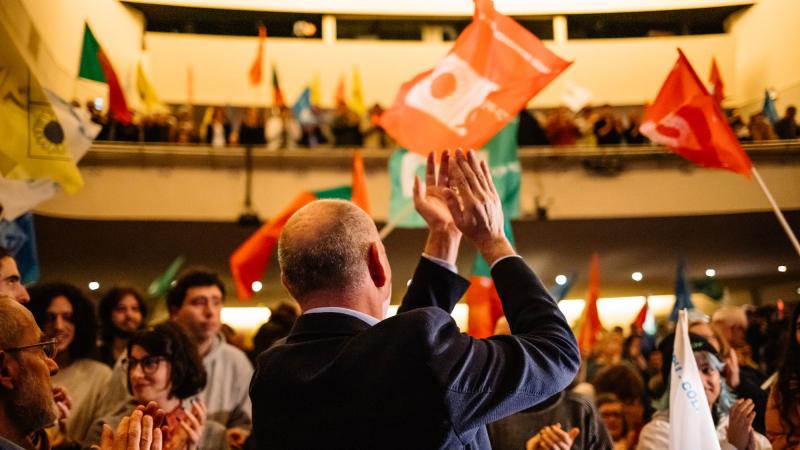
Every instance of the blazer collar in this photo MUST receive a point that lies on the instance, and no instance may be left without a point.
(326, 324)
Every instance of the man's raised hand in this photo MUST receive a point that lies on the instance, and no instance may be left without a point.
(431, 204)
(475, 206)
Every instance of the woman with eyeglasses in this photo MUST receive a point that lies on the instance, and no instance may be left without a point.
(163, 366)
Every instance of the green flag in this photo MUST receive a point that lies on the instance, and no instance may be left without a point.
(90, 67)
(501, 154)
(160, 286)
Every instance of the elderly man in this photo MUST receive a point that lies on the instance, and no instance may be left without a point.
(26, 400)
(10, 279)
(346, 378)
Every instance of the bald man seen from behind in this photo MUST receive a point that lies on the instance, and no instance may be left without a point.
(347, 377)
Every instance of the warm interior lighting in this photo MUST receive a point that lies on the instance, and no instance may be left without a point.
(711, 272)
(257, 286)
(782, 269)
(561, 280)
(637, 276)
(245, 320)
(94, 285)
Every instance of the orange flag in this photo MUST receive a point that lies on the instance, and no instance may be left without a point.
(717, 86)
(492, 71)
(685, 118)
(256, 67)
(359, 196)
(590, 323)
(338, 96)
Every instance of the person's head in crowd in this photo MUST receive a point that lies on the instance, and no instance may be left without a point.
(732, 324)
(789, 371)
(26, 365)
(605, 111)
(122, 312)
(330, 254)
(713, 335)
(219, 115)
(251, 117)
(163, 366)
(195, 302)
(632, 347)
(10, 279)
(64, 313)
(609, 348)
(278, 326)
(710, 365)
(625, 382)
(610, 409)
(791, 111)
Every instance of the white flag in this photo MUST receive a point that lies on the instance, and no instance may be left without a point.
(20, 196)
(691, 424)
(79, 130)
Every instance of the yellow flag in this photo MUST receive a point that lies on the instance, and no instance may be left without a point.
(146, 91)
(32, 142)
(357, 99)
(315, 89)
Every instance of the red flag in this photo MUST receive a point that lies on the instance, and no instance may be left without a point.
(718, 87)
(641, 318)
(117, 106)
(492, 71)
(359, 196)
(685, 118)
(485, 307)
(590, 325)
(338, 96)
(250, 260)
(255, 68)
(277, 95)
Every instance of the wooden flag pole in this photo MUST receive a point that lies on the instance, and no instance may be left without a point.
(777, 210)
(402, 215)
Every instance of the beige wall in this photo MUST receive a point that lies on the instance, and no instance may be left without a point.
(60, 24)
(766, 37)
(216, 194)
(618, 71)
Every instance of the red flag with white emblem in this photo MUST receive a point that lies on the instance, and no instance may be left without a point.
(687, 119)
(495, 67)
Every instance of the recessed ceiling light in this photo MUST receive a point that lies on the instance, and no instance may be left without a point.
(94, 285)
(637, 276)
(257, 286)
(781, 269)
(561, 280)
(711, 273)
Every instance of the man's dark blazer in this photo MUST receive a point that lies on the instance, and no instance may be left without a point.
(413, 381)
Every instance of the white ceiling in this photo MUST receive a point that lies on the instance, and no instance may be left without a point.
(450, 7)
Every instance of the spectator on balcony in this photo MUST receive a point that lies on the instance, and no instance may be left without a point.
(632, 134)
(345, 127)
(760, 129)
(561, 129)
(786, 128)
(251, 132)
(375, 136)
(740, 129)
(184, 131)
(312, 135)
(608, 128)
(530, 132)
(219, 130)
(585, 121)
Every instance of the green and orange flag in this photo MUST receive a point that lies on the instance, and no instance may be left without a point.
(95, 65)
(249, 262)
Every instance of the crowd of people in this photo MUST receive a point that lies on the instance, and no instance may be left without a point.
(278, 128)
(333, 371)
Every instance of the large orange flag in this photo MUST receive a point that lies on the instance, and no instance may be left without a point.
(590, 325)
(688, 120)
(492, 71)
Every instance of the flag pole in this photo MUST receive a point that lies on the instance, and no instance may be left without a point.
(401, 216)
(777, 210)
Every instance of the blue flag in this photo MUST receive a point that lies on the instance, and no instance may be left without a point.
(769, 110)
(302, 109)
(683, 295)
(19, 238)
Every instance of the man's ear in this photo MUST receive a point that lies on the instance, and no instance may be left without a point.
(376, 270)
(7, 371)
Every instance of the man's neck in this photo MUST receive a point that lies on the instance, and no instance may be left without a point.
(204, 346)
(119, 346)
(9, 432)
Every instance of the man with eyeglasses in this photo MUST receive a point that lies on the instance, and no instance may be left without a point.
(27, 405)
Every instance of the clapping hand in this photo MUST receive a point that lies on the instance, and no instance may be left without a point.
(740, 427)
(552, 438)
(139, 431)
(430, 202)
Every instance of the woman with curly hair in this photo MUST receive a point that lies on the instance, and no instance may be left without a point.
(783, 407)
(163, 367)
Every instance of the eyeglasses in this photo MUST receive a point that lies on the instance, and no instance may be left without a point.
(149, 363)
(48, 347)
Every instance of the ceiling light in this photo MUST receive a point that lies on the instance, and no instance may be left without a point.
(561, 280)
(257, 286)
(637, 276)
(711, 272)
(781, 269)
(94, 285)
